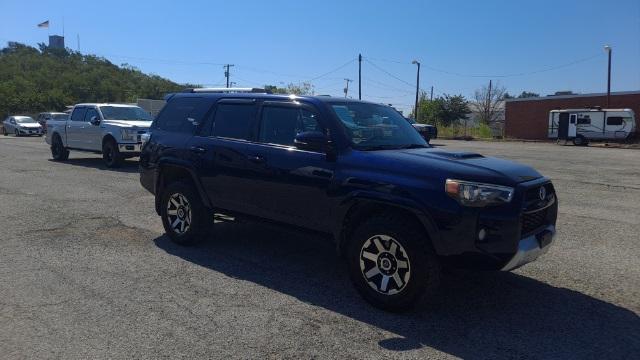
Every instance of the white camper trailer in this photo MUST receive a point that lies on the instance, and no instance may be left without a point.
(582, 125)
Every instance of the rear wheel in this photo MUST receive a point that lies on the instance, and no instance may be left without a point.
(391, 262)
(111, 155)
(58, 151)
(185, 219)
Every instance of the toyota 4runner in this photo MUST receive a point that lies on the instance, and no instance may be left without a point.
(396, 208)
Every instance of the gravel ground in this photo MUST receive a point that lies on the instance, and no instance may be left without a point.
(86, 273)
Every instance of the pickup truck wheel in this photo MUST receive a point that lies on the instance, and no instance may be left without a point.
(111, 155)
(391, 262)
(58, 152)
(184, 217)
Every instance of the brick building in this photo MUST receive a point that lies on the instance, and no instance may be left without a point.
(529, 118)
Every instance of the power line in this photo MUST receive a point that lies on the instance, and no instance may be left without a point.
(332, 71)
(388, 73)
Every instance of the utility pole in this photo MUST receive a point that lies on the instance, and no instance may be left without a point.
(78, 37)
(359, 76)
(416, 62)
(608, 49)
(431, 93)
(488, 108)
(346, 89)
(226, 72)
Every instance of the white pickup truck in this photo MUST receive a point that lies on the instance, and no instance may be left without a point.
(115, 130)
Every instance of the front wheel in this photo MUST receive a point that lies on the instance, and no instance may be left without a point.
(58, 151)
(184, 217)
(16, 133)
(111, 154)
(391, 262)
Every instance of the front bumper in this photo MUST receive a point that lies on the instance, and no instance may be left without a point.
(531, 247)
(30, 131)
(130, 148)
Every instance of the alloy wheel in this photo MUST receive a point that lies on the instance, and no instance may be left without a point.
(384, 264)
(179, 213)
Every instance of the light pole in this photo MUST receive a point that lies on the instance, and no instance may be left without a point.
(608, 49)
(416, 62)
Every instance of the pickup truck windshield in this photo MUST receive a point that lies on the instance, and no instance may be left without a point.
(24, 120)
(131, 113)
(377, 127)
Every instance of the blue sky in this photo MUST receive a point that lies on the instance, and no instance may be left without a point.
(461, 44)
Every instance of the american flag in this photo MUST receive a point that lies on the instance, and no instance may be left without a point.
(44, 24)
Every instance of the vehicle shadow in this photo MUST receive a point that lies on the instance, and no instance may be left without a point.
(475, 315)
(128, 166)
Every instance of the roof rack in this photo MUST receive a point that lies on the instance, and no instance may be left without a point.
(226, 90)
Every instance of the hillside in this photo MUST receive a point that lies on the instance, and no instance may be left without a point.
(33, 80)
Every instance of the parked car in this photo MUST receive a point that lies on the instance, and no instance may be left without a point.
(427, 131)
(21, 126)
(355, 171)
(114, 130)
(43, 117)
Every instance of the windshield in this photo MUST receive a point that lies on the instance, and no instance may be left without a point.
(377, 127)
(124, 113)
(24, 120)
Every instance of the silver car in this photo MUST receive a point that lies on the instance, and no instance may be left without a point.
(21, 125)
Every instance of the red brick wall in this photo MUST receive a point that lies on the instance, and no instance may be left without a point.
(530, 119)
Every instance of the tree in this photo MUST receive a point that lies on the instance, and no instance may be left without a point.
(43, 78)
(443, 110)
(488, 103)
(291, 88)
(527, 94)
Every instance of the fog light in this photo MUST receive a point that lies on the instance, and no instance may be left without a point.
(482, 234)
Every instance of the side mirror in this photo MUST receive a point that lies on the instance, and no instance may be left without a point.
(312, 141)
(94, 120)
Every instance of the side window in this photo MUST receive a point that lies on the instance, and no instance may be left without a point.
(280, 125)
(91, 112)
(176, 115)
(615, 120)
(234, 121)
(78, 114)
(584, 120)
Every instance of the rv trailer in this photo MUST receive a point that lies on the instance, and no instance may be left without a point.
(583, 125)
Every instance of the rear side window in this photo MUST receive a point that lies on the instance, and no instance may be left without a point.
(180, 113)
(234, 121)
(280, 125)
(614, 120)
(78, 114)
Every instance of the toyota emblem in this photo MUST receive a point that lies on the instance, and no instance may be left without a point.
(542, 193)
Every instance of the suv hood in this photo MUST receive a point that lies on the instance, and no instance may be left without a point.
(129, 123)
(459, 165)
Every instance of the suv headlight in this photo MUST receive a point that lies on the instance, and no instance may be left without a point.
(128, 134)
(476, 194)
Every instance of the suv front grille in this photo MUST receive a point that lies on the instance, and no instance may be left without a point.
(533, 221)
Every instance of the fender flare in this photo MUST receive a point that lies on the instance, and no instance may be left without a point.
(183, 165)
(355, 199)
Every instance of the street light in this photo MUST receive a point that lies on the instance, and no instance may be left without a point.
(608, 49)
(416, 62)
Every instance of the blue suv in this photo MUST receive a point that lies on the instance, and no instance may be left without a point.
(397, 209)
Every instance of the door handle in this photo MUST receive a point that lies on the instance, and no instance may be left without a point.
(198, 149)
(258, 159)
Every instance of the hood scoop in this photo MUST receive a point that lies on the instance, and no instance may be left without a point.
(461, 155)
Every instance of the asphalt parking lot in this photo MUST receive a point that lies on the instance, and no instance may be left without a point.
(86, 273)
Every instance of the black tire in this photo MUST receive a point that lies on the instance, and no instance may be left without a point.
(413, 254)
(58, 151)
(111, 154)
(16, 133)
(580, 141)
(198, 219)
(4, 131)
